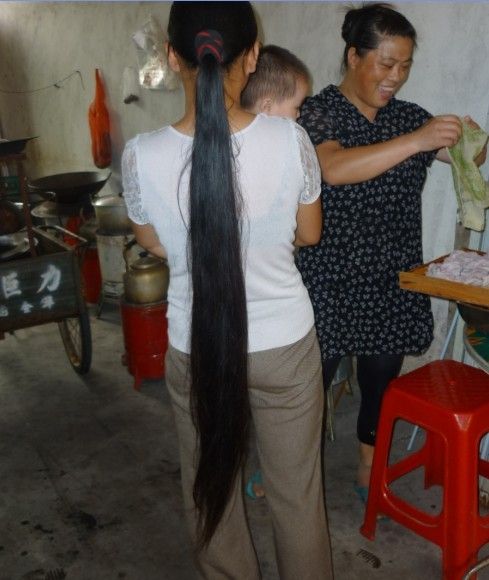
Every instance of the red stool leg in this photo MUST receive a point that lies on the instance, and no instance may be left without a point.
(435, 459)
(460, 506)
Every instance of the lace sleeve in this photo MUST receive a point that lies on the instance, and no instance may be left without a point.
(130, 184)
(310, 167)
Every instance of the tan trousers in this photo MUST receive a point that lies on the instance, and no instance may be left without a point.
(286, 396)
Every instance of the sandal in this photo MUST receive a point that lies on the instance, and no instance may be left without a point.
(257, 479)
(362, 493)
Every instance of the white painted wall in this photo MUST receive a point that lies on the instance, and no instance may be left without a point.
(41, 43)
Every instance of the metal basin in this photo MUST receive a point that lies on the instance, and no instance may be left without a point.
(69, 187)
(475, 316)
(14, 246)
(112, 215)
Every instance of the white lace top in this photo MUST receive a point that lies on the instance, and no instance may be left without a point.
(277, 169)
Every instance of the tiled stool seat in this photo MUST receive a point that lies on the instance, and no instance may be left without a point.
(450, 400)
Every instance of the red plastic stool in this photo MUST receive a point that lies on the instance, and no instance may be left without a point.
(450, 400)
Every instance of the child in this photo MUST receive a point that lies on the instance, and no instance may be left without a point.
(277, 87)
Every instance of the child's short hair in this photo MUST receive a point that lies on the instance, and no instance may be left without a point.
(275, 77)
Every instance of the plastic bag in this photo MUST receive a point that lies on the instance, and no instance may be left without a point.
(99, 122)
(154, 71)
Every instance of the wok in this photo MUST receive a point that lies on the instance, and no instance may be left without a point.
(13, 147)
(69, 187)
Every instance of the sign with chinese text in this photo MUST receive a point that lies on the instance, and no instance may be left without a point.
(37, 290)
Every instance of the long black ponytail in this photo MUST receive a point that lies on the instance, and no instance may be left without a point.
(210, 36)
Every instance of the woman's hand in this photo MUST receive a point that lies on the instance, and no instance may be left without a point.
(471, 123)
(481, 158)
(146, 237)
(356, 164)
(443, 155)
(438, 132)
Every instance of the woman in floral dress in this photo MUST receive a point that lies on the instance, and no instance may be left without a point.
(374, 151)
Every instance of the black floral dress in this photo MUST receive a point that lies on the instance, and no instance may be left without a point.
(372, 231)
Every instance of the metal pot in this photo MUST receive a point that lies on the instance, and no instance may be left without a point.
(112, 215)
(88, 230)
(146, 280)
(11, 217)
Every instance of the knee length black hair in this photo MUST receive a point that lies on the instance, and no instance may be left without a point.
(219, 333)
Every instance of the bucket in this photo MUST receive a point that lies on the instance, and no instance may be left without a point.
(112, 264)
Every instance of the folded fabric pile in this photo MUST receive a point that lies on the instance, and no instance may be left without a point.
(461, 266)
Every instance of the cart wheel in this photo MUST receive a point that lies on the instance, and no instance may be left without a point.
(77, 340)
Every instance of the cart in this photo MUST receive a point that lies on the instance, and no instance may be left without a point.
(46, 288)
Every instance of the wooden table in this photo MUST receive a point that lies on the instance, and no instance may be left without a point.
(416, 280)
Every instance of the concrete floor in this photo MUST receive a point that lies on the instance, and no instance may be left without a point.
(89, 476)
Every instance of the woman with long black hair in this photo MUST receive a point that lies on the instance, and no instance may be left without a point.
(224, 195)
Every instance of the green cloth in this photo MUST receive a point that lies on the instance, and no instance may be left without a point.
(471, 189)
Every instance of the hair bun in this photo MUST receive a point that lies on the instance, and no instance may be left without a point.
(348, 24)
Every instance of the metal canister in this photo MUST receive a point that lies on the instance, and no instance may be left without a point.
(146, 280)
(112, 264)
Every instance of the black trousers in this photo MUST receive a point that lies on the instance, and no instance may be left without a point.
(374, 373)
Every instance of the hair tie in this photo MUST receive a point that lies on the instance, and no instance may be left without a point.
(209, 42)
